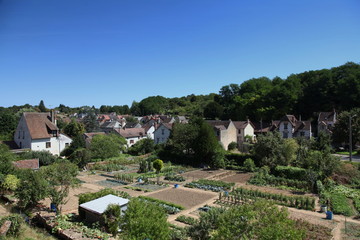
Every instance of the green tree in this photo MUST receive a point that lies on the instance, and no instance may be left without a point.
(183, 137)
(6, 158)
(158, 165)
(289, 151)
(112, 218)
(74, 129)
(342, 130)
(11, 182)
(213, 110)
(45, 157)
(81, 156)
(42, 107)
(153, 105)
(141, 147)
(31, 189)
(8, 123)
(90, 122)
(61, 176)
(77, 143)
(260, 220)
(106, 146)
(206, 145)
(144, 220)
(268, 150)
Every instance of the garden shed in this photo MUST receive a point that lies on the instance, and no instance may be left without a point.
(93, 210)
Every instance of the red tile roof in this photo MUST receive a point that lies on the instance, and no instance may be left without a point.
(131, 132)
(28, 164)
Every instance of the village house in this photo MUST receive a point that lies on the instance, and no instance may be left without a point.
(225, 132)
(244, 129)
(38, 131)
(132, 135)
(162, 133)
(326, 121)
(290, 127)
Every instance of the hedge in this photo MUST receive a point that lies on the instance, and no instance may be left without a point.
(290, 172)
(238, 158)
(213, 185)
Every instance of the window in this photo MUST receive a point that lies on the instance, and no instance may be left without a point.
(131, 141)
(66, 144)
(285, 135)
(285, 126)
(48, 144)
(302, 134)
(162, 131)
(239, 131)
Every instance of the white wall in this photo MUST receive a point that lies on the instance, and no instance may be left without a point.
(22, 130)
(289, 129)
(150, 132)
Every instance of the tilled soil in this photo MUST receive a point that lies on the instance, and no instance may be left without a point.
(187, 198)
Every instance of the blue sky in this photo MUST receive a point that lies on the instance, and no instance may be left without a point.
(87, 52)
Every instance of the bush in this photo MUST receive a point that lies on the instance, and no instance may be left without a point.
(340, 204)
(237, 158)
(232, 146)
(290, 172)
(174, 177)
(16, 221)
(249, 165)
(186, 219)
(45, 157)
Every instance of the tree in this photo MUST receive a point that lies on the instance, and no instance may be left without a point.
(77, 143)
(144, 220)
(106, 146)
(323, 142)
(268, 150)
(158, 165)
(8, 122)
(183, 137)
(42, 107)
(81, 156)
(112, 218)
(213, 110)
(341, 129)
(90, 122)
(74, 129)
(321, 162)
(61, 177)
(11, 182)
(206, 144)
(144, 146)
(259, 220)
(6, 158)
(31, 189)
(289, 150)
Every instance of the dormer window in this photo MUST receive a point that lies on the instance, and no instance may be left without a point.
(54, 133)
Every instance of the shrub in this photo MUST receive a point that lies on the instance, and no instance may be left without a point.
(15, 227)
(45, 157)
(232, 146)
(290, 172)
(249, 165)
(237, 158)
(173, 177)
(340, 205)
(186, 219)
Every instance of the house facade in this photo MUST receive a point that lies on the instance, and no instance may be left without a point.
(225, 132)
(38, 132)
(326, 121)
(162, 133)
(132, 135)
(290, 127)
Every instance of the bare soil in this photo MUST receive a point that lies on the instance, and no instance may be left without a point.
(198, 174)
(187, 198)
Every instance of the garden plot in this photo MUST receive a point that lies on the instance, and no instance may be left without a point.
(237, 178)
(184, 197)
(197, 174)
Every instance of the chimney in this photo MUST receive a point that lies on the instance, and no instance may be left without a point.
(53, 117)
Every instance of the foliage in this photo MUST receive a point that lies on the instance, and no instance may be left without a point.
(266, 179)
(106, 146)
(141, 147)
(246, 195)
(321, 162)
(8, 122)
(183, 137)
(144, 220)
(213, 110)
(74, 128)
(169, 207)
(213, 185)
(87, 197)
(80, 157)
(260, 220)
(61, 177)
(6, 158)
(232, 146)
(341, 129)
(249, 165)
(42, 107)
(90, 121)
(77, 143)
(32, 188)
(158, 165)
(268, 150)
(125, 177)
(347, 173)
(145, 165)
(112, 218)
(15, 227)
(339, 204)
(174, 177)
(289, 172)
(45, 157)
(186, 219)
(11, 182)
(237, 159)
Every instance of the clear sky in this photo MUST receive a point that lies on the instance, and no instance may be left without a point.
(111, 52)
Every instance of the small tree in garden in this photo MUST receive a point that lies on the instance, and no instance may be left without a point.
(249, 165)
(112, 217)
(232, 146)
(158, 165)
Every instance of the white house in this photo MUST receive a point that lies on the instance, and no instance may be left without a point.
(244, 128)
(162, 133)
(132, 135)
(326, 121)
(225, 132)
(38, 131)
(290, 127)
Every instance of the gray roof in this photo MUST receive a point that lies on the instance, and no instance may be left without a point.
(100, 205)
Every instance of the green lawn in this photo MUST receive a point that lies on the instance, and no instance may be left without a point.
(346, 153)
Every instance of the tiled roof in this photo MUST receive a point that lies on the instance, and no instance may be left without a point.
(131, 132)
(39, 125)
(168, 125)
(289, 118)
(326, 116)
(302, 125)
(28, 164)
(215, 123)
